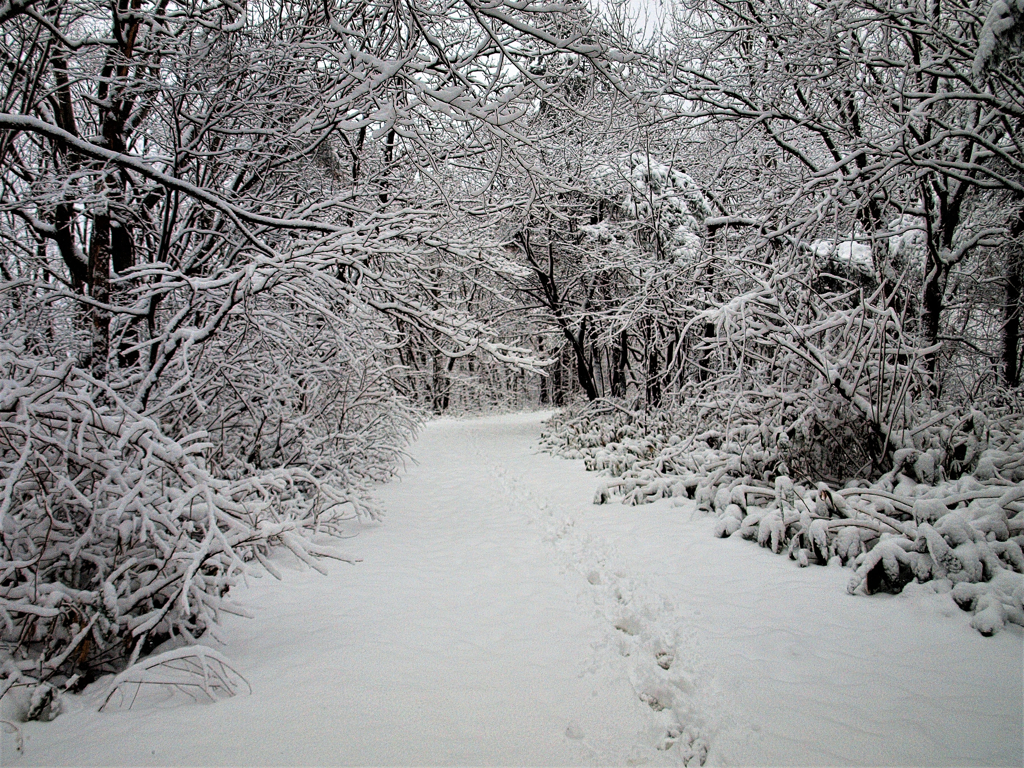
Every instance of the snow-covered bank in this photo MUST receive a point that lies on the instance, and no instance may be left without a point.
(498, 618)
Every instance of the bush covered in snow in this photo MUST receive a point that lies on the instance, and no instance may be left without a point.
(949, 509)
(120, 531)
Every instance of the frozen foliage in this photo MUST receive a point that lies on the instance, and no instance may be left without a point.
(849, 253)
(827, 383)
(645, 189)
(673, 197)
(1003, 16)
(949, 509)
(117, 536)
(197, 672)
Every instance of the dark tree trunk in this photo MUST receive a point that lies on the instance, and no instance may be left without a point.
(653, 388)
(558, 380)
(1012, 308)
(597, 359)
(442, 385)
(584, 370)
(545, 395)
(122, 248)
(703, 366)
(936, 274)
(99, 291)
(620, 362)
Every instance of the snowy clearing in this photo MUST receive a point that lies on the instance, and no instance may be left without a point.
(499, 618)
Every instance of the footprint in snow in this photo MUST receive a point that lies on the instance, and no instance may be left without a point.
(643, 624)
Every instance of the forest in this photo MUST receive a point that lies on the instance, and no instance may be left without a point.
(763, 254)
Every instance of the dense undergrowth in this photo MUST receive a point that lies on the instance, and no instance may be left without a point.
(121, 531)
(947, 509)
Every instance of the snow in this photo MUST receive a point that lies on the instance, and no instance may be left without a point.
(849, 253)
(499, 618)
(1000, 19)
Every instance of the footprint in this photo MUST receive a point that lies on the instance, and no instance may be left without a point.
(670, 738)
(643, 626)
(691, 746)
(652, 701)
(628, 625)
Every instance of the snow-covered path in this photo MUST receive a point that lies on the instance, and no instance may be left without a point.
(498, 618)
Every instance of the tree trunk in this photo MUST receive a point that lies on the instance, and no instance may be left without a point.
(620, 362)
(936, 274)
(544, 394)
(1012, 307)
(558, 380)
(703, 367)
(442, 383)
(597, 369)
(99, 291)
(653, 388)
(584, 370)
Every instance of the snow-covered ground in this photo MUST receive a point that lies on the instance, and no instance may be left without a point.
(498, 618)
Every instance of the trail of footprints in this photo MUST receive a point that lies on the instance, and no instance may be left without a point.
(644, 628)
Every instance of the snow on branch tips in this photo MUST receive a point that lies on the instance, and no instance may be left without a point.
(114, 536)
(200, 673)
(1003, 16)
(948, 510)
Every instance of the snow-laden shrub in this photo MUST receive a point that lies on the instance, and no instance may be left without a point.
(913, 522)
(809, 391)
(118, 531)
(827, 379)
(199, 672)
(284, 389)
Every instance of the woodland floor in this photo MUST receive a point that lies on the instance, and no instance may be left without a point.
(499, 618)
